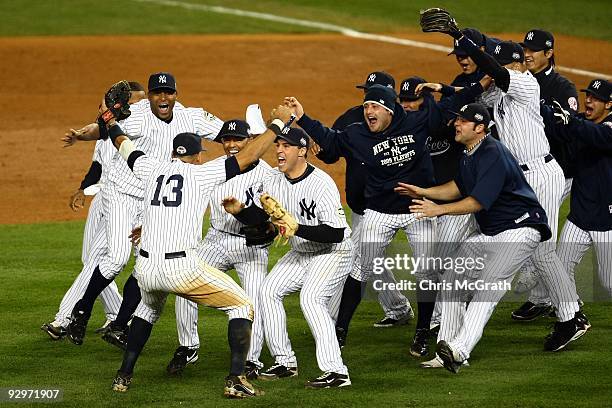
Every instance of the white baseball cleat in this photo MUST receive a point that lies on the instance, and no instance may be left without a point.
(437, 362)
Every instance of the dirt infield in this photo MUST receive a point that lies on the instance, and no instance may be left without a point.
(52, 84)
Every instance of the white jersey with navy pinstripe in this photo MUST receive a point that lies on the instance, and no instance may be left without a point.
(176, 196)
(154, 137)
(244, 187)
(103, 154)
(517, 116)
(313, 200)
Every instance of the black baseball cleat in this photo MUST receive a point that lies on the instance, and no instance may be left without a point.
(341, 336)
(450, 358)
(182, 356)
(582, 319)
(434, 330)
(420, 347)
(116, 335)
(238, 387)
(390, 322)
(278, 371)
(530, 311)
(55, 331)
(102, 328)
(251, 371)
(329, 380)
(77, 327)
(564, 333)
(122, 382)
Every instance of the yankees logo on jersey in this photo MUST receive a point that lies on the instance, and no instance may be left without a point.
(313, 199)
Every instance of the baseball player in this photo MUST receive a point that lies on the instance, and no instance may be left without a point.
(589, 222)
(176, 194)
(317, 264)
(393, 147)
(153, 123)
(491, 185)
(395, 305)
(93, 249)
(540, 60)
(226, 246)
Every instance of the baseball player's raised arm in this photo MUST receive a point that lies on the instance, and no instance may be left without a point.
(280, 117)
(486, 63)
(331, 141)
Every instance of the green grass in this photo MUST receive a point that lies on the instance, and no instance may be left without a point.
(38, 262)
(78, 17)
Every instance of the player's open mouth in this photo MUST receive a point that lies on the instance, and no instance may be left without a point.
(281, 160)
(163, 108)
(588, 110)
(233, 151)
(372, 121)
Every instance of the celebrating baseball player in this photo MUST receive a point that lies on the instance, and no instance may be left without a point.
(230, 245)
(310, 215)
(540, 60)
(94, 245)
(153, 123)
(177, 193)
(589, 138)
(395, 305)
(511, 222)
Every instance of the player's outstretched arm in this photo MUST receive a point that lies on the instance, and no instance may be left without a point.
(426, 208)
(86, 133)
(280, 117)
(445, 192)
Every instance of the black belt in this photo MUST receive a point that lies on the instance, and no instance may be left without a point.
(169, 255)
(547, 158)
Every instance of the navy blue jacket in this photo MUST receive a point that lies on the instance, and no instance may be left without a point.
(492, 176)
(590, 145)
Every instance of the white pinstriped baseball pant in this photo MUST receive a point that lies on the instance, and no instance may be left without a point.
(318, 277)
(573, 244)
(225, 252)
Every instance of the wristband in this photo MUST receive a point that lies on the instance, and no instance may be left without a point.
(114, 132)
(107, 116)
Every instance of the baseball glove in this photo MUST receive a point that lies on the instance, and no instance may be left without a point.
(116, 100)
(438, 20)
(259, 235)
(280, 217)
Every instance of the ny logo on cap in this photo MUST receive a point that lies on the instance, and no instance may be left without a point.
(232, 126)
(285, 130)
(162, 79)
(530, 35)
(181, 150)
(596, 84)
(372, 77)
(463, 108)
(477, 116)
(497, 49)
(406, 86)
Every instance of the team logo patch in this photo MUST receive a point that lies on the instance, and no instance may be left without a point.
(209, 116)
(548, 43)
(381, 101)
(478, 116)
(572, 103)
(516, 56)
(530, 35)
(610, 209)
(341, 212)
(285, 130)
(307, 211)
(232, 126)
(463, 108)
(181, 150)
(406, 86)
(497, 49)
(162, 79)
(596, 84)
(303, 142)
(372, 77)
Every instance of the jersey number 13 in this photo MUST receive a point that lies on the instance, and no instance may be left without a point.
(177, 191)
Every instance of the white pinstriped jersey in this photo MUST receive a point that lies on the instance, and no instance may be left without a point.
(313, 200)
(103, 154)
(244, 187)
(517, 116)
(176, 195)
(154, 137)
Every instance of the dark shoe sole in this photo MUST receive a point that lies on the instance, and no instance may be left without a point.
(446, 354)
(519, 318)
(576, 336)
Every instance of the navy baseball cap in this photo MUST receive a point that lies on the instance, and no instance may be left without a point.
(378, 78)
(234, 127)
(475, 112)
(295, 137)
(162, 80)
(538, 40)
(381, 95)
(473, 34)
(186, 144)
(601, 89)
(408, 86)
(507, 52)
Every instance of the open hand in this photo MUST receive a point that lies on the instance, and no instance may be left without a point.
(232, 205)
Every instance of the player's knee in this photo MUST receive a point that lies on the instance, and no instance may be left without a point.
(310, 298)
